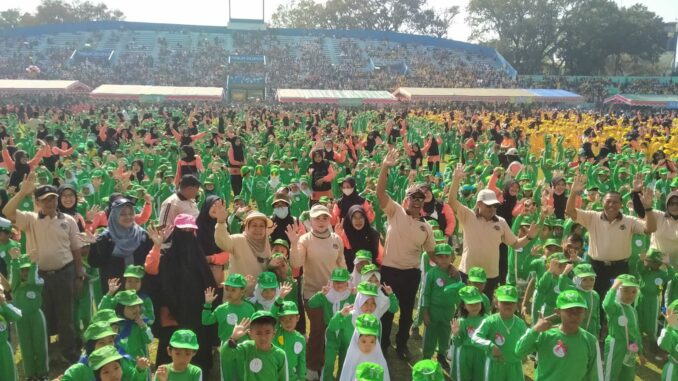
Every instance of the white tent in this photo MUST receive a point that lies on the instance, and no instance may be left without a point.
(342, 97)
(158, 93)
(37, 86)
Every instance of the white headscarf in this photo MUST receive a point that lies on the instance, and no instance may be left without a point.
(336, 298)
(355, 357)
(383, 301)
(258, 298)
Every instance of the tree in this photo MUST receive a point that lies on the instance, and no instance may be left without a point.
(386, 15)
(59, 11)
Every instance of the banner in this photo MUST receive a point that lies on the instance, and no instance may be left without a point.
(245, 81)
(247, 59)
(93, 55)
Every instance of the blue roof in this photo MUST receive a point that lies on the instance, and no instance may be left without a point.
(555, 93)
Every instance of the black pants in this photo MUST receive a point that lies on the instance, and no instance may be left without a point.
(404, 284)
(503, 263)
(58, 298)
(605, 276)
(490, 285)
(236, 184)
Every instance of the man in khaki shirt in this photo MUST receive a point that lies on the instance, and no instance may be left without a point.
(54, 243)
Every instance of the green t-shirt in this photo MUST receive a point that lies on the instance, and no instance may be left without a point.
(294, 345)
(227, 316)
(504, 334)
(191, 373)
(252, 364)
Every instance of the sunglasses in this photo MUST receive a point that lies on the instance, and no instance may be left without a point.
(417, 198)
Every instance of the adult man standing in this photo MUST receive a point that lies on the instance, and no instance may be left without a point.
(181, 202)
(484, 231)
(610, 232)
(53, 241)
(407, 236)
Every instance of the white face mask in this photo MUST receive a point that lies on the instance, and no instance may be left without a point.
(281, 212)
(347, 191)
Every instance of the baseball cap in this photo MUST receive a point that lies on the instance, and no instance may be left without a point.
(340, 275)
(443, 249)
(369, 268)
(552, 242)
(128, 298)
(369, 371)
(281, 242)
(560, 257)
(654, 255)
(487, 197)
(367, 324)
(427, 370)
(318, 210)
(184, 339)
(98, 330)
(185, 221)
(477, 275)
(470, 295)
(367, 288)
(363, 255)
(506, 293)
(628, 280)
(236, 280)
(267, 280)
(261, 315)
(584, 270)
(133, 271)
(288, 308)
(103, 356)
(44, 191)
(108, 316)
(570, 299)
(280, 199)
(258, 216)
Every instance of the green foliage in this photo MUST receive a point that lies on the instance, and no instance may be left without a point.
(59, 11)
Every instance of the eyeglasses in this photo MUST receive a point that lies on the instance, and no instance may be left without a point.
(418, 199)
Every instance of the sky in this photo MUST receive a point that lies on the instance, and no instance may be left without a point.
(215, 12)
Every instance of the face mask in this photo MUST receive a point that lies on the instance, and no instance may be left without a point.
(347, 191)
(281, 212)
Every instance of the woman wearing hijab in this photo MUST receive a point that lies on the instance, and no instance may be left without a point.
(357, 234)
(19, 166)
(236, 159)
(179, 277)
(138, 174)
(189, 164)
(206, 222)
(68, 204)
(123, 243)
(348, 200)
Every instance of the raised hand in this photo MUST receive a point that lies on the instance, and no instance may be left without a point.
(156, 234)
(210, 295)
(326, 288)
(251, 280)
(339, 227)
(143, 363)
(15, 253)
(387, 289)
(241, 329)
(578, 184)
(647, 197)
(391, 158)
(270, 230)
(89, 216)
(285, 289)
(544, 323)
(638, 182)
(28, 185)
(221, 213)
(346, 310)
(161, 374)
(292, 233)
(113, 286)
(459, 173)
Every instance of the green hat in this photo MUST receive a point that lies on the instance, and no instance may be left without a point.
(628, 280)
(97, 331)
(103, 356)
(288, 308)
(262, 314)
(367, 288)
(674, 305)
(108, 316)
(367, 324)
(128, 298)
(506, 293)
(674, 182)
(236, 280)
(324, 200)
(369, 371)
(267, 279)
(25, 261)
(470, 295)
(443, 249)
(133, 271)
(584, 270)
(340, 275)
(560, 257)
(281, 242)
(363, 255)
(552, 242)
(427, 370)
(433, 223)
(570, 299)
(439, 236)
(369, 268)
(184, 339)
(477, 275)
(654, 255)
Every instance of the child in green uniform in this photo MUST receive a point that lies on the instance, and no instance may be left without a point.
(477, 277)
(427, 370)
(668, 341)
(132, 277)
(108, 316)
(334, 296)
(566, 351)
(439, 304)
(547, 290)
(362, 258)
(623, 342)
(27, 292)
(364, 347)
(498, 335)
(256, 359)
(468, 360)
(8, 313)
(582, 282)
(135, 334)
(183, 346)
(387, 301)
(228, 314)
(107, 365)
(6, 243)
(291, 341)
(279, 265)
(652, 278)
(369, 371)
(268, 294)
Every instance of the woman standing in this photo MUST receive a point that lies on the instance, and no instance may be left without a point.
(357, 234)
(236, 159)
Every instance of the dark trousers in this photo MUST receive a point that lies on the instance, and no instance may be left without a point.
(605, 276)
(503, 263)
(58, 300)
(405, 284)
(236, 184)
(490, 285)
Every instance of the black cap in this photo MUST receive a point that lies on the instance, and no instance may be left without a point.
(189, 181)
(44, 191)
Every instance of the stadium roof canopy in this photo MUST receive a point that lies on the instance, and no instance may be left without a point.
(342, 97)
(158, 93)
(28, 86)
(665, 101)
(487, 95)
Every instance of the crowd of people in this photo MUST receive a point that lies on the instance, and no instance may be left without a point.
(283, 244)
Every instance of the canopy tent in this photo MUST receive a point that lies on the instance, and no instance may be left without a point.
(31, 86)
(665, 101)
(158, 93)
(487, 95)
(342, 97)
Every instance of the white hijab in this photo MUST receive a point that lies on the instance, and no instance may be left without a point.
(336, 298)
(258, 298)
(355, 357)
(383, 301)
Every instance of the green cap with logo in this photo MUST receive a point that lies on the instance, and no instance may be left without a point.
(363, 255)
(102, 356)
(443, 249)
(370, 268)
(340, 275)
(367, 288)
(368, 324)
(552, 242)
(281, 242)
(184, 339)
(433, 223)
(267, 280)
(470, 295)
(98, 330)
(477, 275)
(570, 299)
(288, 308)
(369, 371)
(654, 255)
(584, 270)
(439, 236)
(128, 298)
(108, 316)
(560, 257)
(133, 271)
(236, 280)
(628, 280)
(427, 370)
(506, 293)
(262, 314)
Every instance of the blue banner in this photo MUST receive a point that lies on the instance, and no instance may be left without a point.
(247, 59)
(93, 54)
(245, 80)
